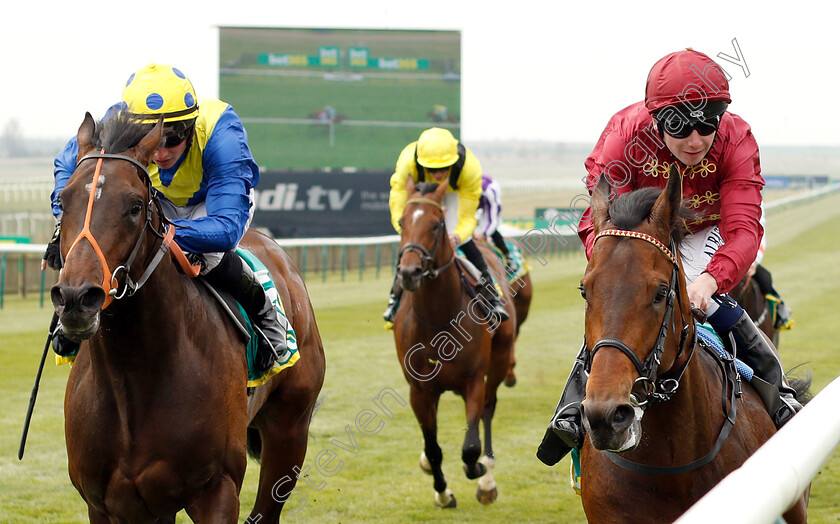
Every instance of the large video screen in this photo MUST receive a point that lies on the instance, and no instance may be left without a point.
(339, 98)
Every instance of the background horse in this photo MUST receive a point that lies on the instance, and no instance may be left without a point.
(156, 409)
(651, 452)
(749, 296)
(446, 342)
(522, 304)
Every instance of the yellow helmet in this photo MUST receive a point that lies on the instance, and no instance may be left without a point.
(437, 148)
(159, 89)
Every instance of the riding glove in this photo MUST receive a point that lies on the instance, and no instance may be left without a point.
(52, 255)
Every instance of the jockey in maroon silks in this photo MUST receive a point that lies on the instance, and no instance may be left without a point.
(684, 122)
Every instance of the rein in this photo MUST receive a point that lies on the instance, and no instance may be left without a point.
(109, 280)
(668, 386)
(427, 258)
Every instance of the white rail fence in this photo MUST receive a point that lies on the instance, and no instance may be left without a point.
(776, 475)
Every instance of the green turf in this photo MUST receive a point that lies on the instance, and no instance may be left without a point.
(382, 482)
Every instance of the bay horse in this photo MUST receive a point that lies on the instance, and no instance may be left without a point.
(447, 342)
(748, 295)
(522, 304)
(156, 406)
(665, 420)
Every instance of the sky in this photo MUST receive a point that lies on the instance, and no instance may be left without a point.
(531, 70)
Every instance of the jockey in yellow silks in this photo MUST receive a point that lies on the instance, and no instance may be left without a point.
(437, 156)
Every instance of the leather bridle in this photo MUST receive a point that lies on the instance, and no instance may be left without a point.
(427, 258)
(110, 283)
(656, 390)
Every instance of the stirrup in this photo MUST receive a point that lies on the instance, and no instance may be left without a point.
(569, 431)
(497, 308)
(783, 314)
(790, 407)
(389, 313)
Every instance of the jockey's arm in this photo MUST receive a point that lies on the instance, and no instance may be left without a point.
(740, 208)
(65, 164)
(229, 173)
(469, 192)
(399, 196)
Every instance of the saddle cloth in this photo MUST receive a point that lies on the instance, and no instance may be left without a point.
(291, 355)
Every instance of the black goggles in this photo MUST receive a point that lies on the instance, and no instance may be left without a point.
(175, 137)
(678, 125)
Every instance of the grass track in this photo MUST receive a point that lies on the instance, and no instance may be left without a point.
(382, 481)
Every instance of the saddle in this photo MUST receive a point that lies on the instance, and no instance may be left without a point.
(471, 277)
(240, 319)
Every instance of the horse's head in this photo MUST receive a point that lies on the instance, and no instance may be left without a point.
(424, 245)
(635, 296)
(107, 205)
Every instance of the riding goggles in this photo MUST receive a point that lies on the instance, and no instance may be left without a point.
(681, 121)
(176, 134)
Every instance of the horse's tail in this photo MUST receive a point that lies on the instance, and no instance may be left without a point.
(254, 444)
(802, 387)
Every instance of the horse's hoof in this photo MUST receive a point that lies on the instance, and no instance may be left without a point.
(479, 471)
(446, 500)
(510, 379)
(486, 497)
(424, 463)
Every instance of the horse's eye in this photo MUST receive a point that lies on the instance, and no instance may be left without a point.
(661, 293)
(582, 291)
(436, 227)
(136, 208)
(400, 223)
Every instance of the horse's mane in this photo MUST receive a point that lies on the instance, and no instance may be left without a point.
(630, 209)
(119, 133)
(426, 187)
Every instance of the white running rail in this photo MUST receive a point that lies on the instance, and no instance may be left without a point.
(776, 475)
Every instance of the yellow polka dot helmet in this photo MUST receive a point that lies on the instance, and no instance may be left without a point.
(159, 89)
(437, 148)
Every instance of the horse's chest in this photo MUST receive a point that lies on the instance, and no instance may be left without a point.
(128, 463)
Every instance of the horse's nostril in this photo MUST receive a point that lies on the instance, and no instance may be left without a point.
(57, 297)
(93, 298)
(623, 416)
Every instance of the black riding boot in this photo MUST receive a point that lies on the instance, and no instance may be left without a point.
(61, 344)
(393, 302)
(492, 295)
(565, 430)
(756, 352)
(499, 240)
(238, 279)
(765, 284)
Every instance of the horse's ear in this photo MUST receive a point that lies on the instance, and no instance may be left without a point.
(600, 203)
(440, 192)
(409, 186)
(85, 136)
(667, 206)
(149, 144)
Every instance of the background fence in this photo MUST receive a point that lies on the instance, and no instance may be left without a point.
(360, 258)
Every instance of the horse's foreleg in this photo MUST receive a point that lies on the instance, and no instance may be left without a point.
(431, 459)
(471, 450)
(218, 504)
(284, 442)
(97, 517)
(500, 356)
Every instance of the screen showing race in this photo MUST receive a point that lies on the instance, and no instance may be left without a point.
(339, 98)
